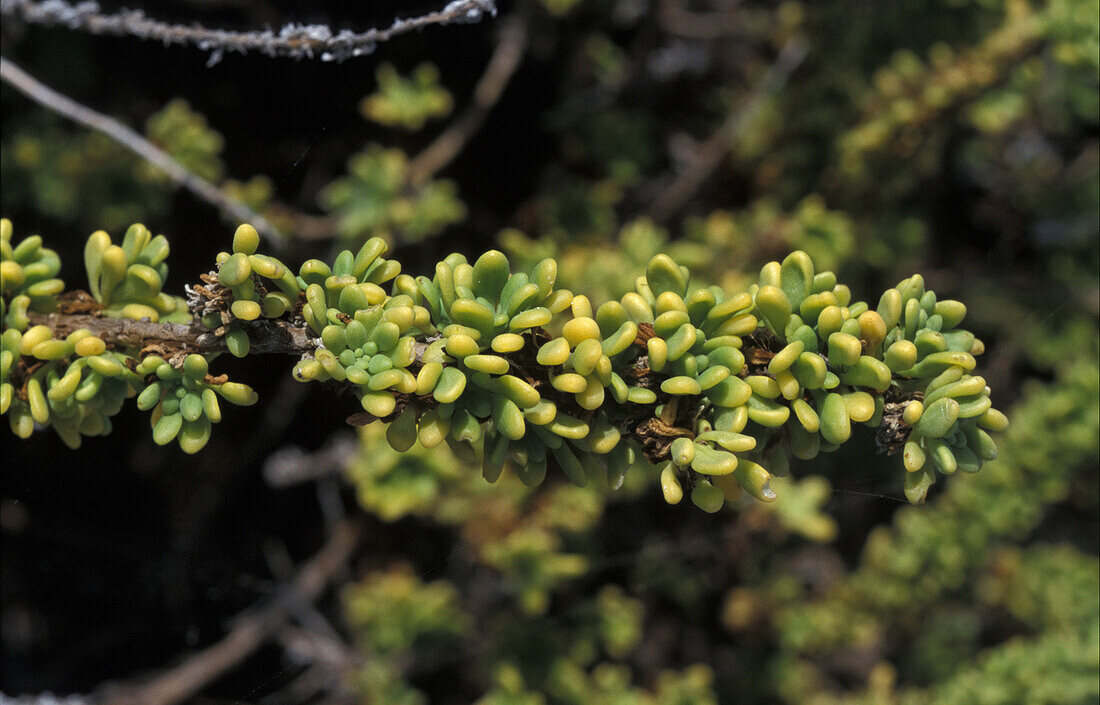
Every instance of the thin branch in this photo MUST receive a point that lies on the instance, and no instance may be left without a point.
(319, 679)
(305, 226)
(316, 637)
(711, 153)
(502, 65)
(290, 465)
(251, 630)
(296, 41)
(507, 56)
(179, 175)
(326, 650)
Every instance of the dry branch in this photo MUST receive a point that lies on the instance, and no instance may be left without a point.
(292, 40)
(132, 140)
(710, 154)
(507, 56)
(251, 630)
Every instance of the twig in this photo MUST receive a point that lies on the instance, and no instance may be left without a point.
(293, 40)
(44, 699)
(711, 153)
(316, 647)
(290, 465)
(252, 628)
(50, 99)
(318, 679)
(301, 610)
(507, 56)
(317, 634)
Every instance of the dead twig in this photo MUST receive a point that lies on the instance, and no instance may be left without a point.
(250, 631)
(507, 56)
(290, 465)
(710, 154)
(293, 40)
(129, 138)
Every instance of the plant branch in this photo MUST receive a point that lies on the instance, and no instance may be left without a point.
(654, 434)
(710, 154)
(173, 341)
(279, 337)
(295, 41)
(507, 56)
(290, 465)
(132, 140)
(251, 630)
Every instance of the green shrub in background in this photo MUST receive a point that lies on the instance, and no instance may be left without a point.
(406, 102)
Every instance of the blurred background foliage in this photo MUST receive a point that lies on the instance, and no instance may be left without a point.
(958, 138)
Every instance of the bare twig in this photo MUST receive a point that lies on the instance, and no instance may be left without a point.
(48, 98)
(327, 643)
(318, 679)
(251, 630)
(507, 56)
(44, 699)
(290, 465)
(293, 40)
(711, 153)
(331, 653)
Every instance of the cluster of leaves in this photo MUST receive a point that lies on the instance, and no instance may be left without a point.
(406, 102)
(85, 175)
(923, 619)
(47, 167)
(714, 248)
(379, 195)
(911, 575)
(921, 344)
(395, 615)
(508, 368)
(29, 277)
(376, 197)
(242, 274)
(126, 280)
(76, 383)
(993, 85)
(185, 134)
